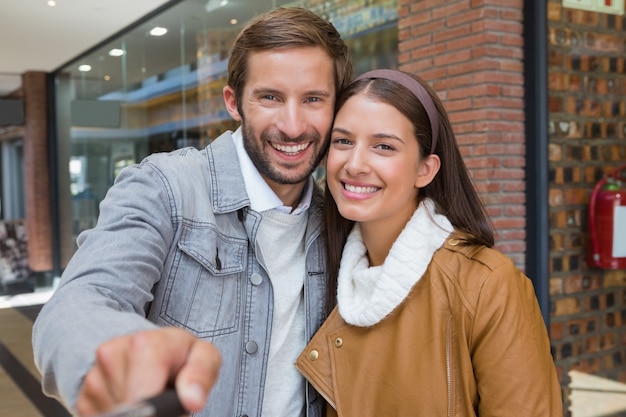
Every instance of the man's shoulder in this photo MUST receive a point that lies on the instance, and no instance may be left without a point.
(221, 151)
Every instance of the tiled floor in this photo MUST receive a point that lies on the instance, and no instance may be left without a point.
(20, 386)
(20, 383)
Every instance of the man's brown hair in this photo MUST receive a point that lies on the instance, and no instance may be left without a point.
(284, 28)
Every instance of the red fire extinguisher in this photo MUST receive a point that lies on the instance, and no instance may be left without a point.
(607, 222)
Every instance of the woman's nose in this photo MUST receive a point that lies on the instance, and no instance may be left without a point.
(357, 163)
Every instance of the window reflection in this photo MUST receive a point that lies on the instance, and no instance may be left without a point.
(140, 93)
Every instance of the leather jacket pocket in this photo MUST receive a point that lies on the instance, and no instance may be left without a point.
(204, 289)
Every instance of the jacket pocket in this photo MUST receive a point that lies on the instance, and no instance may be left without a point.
(204, 293)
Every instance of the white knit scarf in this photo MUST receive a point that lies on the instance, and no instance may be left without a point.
(366, 295)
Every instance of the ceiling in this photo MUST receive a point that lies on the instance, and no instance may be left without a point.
(37, 37)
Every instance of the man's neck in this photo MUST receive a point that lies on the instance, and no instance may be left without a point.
(289, 194)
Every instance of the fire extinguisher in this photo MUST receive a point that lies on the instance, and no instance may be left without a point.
(607, 222)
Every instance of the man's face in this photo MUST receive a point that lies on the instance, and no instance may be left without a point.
(286, 112)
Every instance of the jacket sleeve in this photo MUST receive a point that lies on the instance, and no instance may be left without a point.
(107, 284)
(510, 348)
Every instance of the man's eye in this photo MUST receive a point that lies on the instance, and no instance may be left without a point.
(268, 97)
(313, 99)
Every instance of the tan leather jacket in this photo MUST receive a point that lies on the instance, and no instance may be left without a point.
(469, 340)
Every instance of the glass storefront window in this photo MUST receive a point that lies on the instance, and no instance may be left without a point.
(158, 87)
(12, 198)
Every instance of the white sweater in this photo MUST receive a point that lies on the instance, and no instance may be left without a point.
(281, 238)
(366, 295)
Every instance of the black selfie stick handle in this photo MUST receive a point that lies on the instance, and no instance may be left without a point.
(167, 404)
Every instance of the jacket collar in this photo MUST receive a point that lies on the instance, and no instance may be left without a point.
(228, 192)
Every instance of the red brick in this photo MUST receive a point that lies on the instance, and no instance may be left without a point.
(36, 171)
(456, 8)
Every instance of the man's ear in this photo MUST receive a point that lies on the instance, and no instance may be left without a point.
(231, 102)
(429, 167)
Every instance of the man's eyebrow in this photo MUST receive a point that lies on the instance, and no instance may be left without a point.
(274, 91)
(264, 90)
(322, 93)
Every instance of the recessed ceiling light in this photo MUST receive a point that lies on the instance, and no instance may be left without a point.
(107, 78)
(233, 21)
(158, 31)
(84, 68)
(214, 5)
(52, 3)
(116, 52)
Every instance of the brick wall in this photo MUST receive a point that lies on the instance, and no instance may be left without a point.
(471, 53)
(587, 86)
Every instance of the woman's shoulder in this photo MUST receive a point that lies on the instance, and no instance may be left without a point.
(474, 272)
(459, 261)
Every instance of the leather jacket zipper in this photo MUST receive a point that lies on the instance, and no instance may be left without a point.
(449, 365)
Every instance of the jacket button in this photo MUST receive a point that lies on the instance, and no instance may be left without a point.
(338, 342)
(453, 242)
(256, 278)
(313, 355)
(251, 347)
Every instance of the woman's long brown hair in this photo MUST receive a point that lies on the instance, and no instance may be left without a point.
(451, 190)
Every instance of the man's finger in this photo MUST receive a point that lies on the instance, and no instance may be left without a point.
(198, 375)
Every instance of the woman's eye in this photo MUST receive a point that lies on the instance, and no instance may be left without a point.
(384, 147)
(341, 141)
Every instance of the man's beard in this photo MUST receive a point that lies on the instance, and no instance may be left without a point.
(266, 167)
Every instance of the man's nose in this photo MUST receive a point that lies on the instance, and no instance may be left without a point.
(292, 120)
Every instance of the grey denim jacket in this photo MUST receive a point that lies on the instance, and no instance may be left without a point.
(175, 243)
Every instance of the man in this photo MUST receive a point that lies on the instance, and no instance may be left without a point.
(210, 258)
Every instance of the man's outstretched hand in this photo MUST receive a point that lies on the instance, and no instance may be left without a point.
(135, 367)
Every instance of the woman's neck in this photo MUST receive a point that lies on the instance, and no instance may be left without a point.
(379, 235)
(378, 240)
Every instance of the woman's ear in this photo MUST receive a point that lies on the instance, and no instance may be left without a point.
(429, 167)
(231, 102)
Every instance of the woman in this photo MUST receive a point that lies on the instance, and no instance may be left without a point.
(430, 321)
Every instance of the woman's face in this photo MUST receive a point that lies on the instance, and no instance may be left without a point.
(373, 165)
